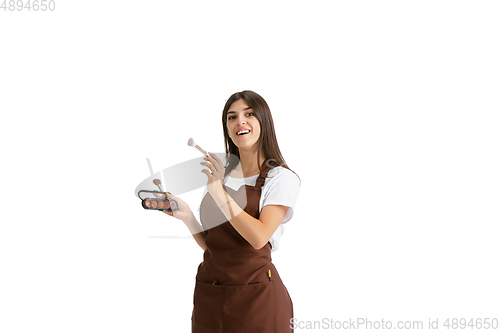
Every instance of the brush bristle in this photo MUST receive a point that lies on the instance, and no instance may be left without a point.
(191, 142)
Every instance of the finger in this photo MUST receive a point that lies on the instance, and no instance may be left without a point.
(170, 196)
(209, 175)
(218, 171)
(217, 161)
(209, 165)
(206, 172)
(158, 196)
(216, 158)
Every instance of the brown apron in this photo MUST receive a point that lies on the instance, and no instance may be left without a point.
(233, 292)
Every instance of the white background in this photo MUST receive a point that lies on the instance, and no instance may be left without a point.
(387, 110)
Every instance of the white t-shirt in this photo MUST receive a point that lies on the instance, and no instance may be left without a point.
(280, 188)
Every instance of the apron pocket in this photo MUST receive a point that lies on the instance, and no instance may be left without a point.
(207, 311)
(250, 308)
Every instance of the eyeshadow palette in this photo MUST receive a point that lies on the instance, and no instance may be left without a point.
(158, 203)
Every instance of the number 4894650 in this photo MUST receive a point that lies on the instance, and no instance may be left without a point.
(28, 5)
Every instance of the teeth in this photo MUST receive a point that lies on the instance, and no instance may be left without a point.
(243, 132)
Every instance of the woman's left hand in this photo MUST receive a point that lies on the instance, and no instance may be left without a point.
(215, 174)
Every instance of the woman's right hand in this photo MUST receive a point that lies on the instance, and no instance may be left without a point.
(182, 213)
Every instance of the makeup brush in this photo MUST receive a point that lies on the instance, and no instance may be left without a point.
(157, 182)
(193, 144)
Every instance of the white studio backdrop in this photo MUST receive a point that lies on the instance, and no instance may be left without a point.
(387, 110)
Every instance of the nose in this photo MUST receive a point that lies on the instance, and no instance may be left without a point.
(241, 119)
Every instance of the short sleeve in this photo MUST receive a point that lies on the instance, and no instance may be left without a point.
(281, 188)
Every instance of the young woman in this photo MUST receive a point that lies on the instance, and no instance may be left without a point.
(238, 289)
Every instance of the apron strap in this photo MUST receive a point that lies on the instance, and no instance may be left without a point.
(262, 177)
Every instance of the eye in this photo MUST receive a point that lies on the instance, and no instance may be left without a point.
(250, 113)
(230, 117)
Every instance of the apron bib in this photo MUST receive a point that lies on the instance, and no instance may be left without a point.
(233, 292)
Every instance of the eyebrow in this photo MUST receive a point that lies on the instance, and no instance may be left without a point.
(248, 108)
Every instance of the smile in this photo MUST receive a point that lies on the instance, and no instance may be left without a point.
(243, 132)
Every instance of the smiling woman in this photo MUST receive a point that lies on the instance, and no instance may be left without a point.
(238, 288)
(248, 110)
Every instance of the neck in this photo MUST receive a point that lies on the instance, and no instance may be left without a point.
(248, 162)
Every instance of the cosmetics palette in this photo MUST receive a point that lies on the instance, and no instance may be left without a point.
(162, 204)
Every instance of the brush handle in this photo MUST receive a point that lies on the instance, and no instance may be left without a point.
(201, 149)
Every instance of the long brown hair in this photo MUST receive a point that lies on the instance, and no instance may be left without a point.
(267, 143)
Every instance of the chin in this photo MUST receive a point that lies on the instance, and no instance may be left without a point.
(247, 146)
